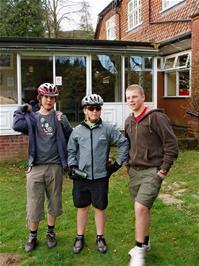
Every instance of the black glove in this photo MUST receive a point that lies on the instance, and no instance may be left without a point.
(26, 108)
(71, 171)
(111, 168)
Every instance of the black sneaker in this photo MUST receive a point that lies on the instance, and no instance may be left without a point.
(51, 240)
(31, 244)
(101, 244)
(78, 244)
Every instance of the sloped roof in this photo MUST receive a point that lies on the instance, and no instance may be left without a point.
(78, 45)
(176, 44)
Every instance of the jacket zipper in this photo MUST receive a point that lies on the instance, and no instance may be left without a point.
(136, 128)
(92, 153)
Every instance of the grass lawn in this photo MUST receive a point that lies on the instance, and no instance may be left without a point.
(174, 231)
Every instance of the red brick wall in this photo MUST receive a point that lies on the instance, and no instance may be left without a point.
(13, 147)
(177, 115)
(155, 31)
(195, 53)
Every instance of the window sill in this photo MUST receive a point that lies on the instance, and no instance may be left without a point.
(176, 97)
(171, 6)
(134, 27)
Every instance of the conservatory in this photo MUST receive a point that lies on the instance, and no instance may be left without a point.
(77, 67)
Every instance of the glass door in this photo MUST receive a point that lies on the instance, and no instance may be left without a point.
(71, 81)
(35, 70)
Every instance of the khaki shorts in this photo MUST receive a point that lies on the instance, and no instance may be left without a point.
(44, 180)
(144, 185)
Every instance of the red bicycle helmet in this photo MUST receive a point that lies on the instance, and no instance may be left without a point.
(48, 89)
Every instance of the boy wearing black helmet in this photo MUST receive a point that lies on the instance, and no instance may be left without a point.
(48, 133)
(88, 153)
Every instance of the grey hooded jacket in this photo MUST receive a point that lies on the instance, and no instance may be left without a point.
(88, 148)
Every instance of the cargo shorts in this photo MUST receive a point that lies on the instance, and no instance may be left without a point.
(144, 185)
(44, 180)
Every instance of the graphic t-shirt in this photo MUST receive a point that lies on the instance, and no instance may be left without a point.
(47, 151)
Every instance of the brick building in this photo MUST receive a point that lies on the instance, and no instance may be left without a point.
(173, 27)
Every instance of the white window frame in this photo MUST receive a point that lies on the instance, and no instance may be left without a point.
(166, 4)
(110, 29)
(177, 69)
(176, 56)
(134, 14)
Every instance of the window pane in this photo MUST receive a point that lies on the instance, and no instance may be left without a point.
(110, 29)
(136, 63)
(148, 62)
(72, 69)
(106, 77)
(35, 71)
(184, 88)
(159, 63)
(134, 13)
(169, 63)
(182, 60)
(135, 75)
(170, 3)
(171, 84)
(8, 79)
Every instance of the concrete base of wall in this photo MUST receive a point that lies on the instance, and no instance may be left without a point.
(13, 147)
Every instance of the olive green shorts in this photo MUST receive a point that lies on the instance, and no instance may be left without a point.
(44, 180)
(144, 185)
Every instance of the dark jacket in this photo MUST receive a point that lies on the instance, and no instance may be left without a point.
(152, 141)
(25, 122)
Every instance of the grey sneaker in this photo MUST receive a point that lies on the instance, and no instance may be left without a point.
(147, 247)
(78, 244)
(31, 244)
(101, 244)
(51, 240)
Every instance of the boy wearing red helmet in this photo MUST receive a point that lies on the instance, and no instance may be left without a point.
(48, 133)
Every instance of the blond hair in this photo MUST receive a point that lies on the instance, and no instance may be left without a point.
(133, 87)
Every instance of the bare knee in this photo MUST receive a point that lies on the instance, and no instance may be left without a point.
(83, 210)
(140, 209)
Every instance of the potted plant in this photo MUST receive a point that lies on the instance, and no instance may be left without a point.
(184, 91)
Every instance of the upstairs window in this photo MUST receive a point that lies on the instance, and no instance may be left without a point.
(110, 29)
(169, 3)
(134, 13)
